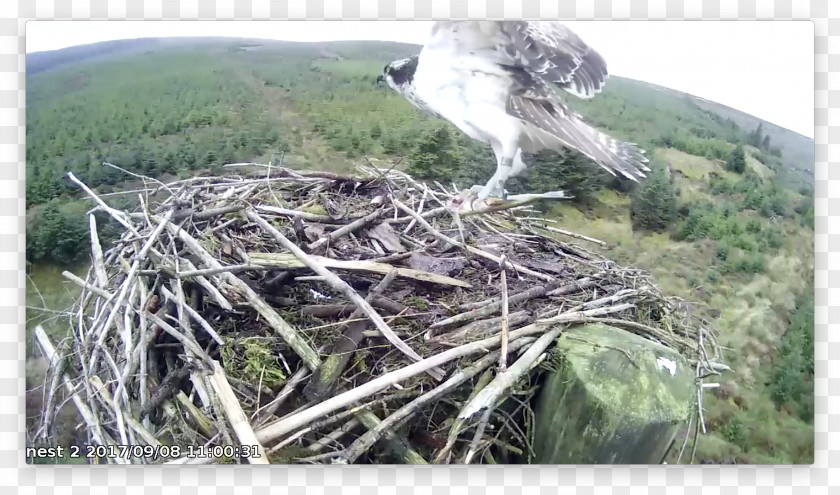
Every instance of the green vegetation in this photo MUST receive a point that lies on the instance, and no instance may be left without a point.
(725, 219)
(793, 370)
(569, 171)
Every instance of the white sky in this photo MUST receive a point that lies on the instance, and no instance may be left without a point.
(764, 68)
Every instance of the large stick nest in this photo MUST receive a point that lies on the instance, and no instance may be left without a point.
(336, 319)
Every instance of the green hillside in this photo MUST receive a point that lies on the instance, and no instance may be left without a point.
(730, 233)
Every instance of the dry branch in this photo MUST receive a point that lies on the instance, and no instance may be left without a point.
(234, 413)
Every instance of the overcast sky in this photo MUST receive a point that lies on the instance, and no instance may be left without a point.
(764, 68)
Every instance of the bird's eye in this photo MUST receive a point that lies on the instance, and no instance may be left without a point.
(387, 69)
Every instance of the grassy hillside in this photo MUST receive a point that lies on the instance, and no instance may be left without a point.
(737, 246)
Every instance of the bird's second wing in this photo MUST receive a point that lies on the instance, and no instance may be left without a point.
(550, 124)
(554, 53)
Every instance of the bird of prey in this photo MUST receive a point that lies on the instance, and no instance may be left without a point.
(495, 81)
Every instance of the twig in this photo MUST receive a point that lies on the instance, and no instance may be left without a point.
(481, 328)
(588, 315)
(491, 308)
(272, 407)
(333, 436)
(103, 331)
(202, 423)
(106, 397)
(685, 440)
(138, 176)
(81, 283)
(504, 333)
(116, 214)
(398, 444)
(487, 397)
(419, 210)
(99, 436)
(324, 378)
(292, 260)
(187, 342)
(225, 269)
(350, 227)
(98, 257)
(572, 234)
(312, 217)
(479, 432)
(193, 313)
(476, 251)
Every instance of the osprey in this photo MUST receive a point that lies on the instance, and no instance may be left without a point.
(494, 81)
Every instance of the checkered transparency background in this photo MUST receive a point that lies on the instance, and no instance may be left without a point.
(351, 479)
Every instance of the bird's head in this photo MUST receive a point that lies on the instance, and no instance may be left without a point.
(399, 74)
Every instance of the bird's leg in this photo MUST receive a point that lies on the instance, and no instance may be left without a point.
(495, 187)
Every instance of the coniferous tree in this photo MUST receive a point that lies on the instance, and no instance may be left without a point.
(654, 205)
(737, 161)
(434, 157)
(756, 136)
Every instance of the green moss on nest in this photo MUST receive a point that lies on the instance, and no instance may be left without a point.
(251, 359)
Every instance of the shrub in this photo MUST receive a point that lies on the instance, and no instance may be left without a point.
(747, 263)
(735, 431)
(704, 222)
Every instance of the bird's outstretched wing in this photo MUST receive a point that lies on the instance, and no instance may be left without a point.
(554, 53)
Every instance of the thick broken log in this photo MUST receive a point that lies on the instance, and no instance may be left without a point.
(616, 398)
(325, 377)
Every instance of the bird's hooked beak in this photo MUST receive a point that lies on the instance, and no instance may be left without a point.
(380, 79)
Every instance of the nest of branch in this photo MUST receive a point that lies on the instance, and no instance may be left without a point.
(302, 317)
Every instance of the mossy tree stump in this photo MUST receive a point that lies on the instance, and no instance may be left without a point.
(616, 398)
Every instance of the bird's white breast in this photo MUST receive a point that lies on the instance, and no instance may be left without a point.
(466, 88)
